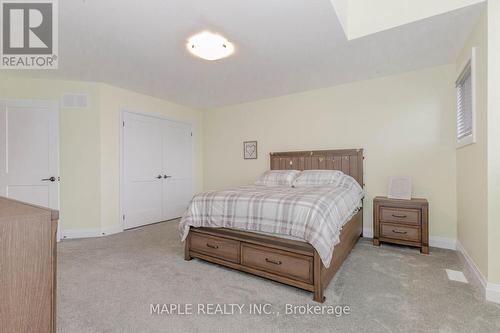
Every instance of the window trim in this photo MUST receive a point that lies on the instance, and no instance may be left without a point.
(470, 139)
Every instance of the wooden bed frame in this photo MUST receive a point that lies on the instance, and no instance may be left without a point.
(295, 263)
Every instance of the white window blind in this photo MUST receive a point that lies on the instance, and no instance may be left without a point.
(465, 105)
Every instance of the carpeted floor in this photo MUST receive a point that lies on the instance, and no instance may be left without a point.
(107, 285)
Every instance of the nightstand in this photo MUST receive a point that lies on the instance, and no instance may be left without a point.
(403, 222)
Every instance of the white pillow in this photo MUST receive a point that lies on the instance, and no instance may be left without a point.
(318, 178)
(277, 178)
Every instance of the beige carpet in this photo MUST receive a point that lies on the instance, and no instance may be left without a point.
(107, 285)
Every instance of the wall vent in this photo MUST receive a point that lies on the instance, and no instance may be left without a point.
(75, 101)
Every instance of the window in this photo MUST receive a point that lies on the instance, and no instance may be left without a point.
(466, 103)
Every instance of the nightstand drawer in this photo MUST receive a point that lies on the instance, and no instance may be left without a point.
(400, 232)
(400, 215)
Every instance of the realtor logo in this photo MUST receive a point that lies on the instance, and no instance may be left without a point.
(29, 34)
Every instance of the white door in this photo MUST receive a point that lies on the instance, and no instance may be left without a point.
(157, 169)
(142, 170)
(177, 163)
(29, 152)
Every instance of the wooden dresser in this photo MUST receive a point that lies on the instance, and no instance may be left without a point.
(27, 267)
(403, 222)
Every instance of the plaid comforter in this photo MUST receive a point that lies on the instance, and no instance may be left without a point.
(314, 214)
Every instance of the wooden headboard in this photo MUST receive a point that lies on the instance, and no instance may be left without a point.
(349, 161)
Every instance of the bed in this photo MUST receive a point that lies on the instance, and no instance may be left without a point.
(283, 258)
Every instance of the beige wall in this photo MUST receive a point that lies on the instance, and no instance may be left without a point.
(472, 196)
(405, 123)
(113, 102)
(364, 17)
(494, 143)
(79, 146)
(478, 165)
(90, 145)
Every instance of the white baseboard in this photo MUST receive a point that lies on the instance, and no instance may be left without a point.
(443, 242)
(472, 266)
(88, 233)
(490, 290)
(434, 241)
(111, 230)
(368, 232)
(493, 292)
(81, 233)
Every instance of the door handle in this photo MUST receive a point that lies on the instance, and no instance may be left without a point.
(51, 179)
(159, 176)
(165, 176)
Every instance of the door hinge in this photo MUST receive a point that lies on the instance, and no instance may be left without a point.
(123, 123)
(191, 133)
(123, 217)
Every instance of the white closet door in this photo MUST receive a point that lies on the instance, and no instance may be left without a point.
(178, 168)
(142, 170)
(29, 152)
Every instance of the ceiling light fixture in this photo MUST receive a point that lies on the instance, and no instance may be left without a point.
(209, 46)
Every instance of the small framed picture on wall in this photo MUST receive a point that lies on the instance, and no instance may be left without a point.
(250, 150)
(399, 188)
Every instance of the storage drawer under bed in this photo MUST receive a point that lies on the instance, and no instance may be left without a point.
(218, 247)
(279, 262)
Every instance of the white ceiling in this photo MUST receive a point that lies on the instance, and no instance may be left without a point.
(282, 47)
